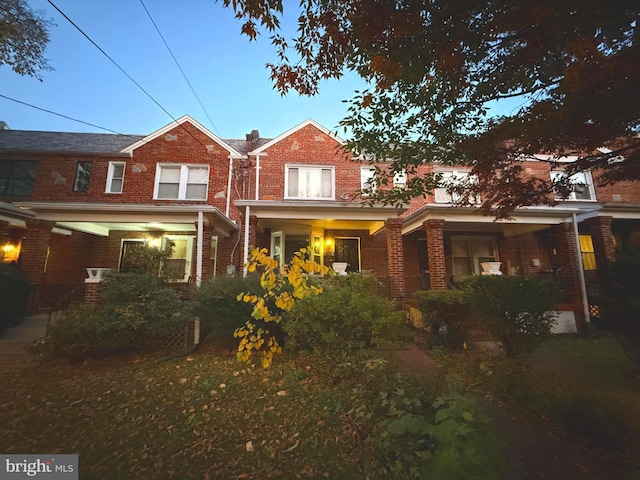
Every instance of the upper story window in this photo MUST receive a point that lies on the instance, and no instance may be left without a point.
(82, 177)
(303, 181)
(367, 175)
(451, 179)
(115, 177)
(581, 186)
(400, 179)
(17, 178)
(181, 182)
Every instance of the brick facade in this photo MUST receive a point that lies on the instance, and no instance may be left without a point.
(435, 249)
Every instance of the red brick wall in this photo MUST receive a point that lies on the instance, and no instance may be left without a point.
(435, 247)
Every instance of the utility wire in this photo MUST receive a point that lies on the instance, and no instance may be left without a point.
(123, 71)
(179, 67)
(59, 114)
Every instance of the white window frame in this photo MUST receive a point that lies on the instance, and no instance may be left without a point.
(450, 177)
(588, 183)
(400, 179)
(366, 175)
(303, 168)
(111, 177)
(188, 258)
(183, 181)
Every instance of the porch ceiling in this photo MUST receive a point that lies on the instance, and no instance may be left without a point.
(320, 214)
(100, 219)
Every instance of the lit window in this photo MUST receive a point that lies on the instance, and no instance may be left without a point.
(115, 177)
(309, 182)
(581, 186)
(587, 252)
(83, 175)
(182, 182)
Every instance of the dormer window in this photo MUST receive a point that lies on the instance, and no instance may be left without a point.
(581, 185)
(309, 182)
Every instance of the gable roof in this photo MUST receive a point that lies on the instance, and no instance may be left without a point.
(293, 130)
(180, 121)
(65, 142)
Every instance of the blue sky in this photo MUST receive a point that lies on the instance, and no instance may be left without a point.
(226, 70)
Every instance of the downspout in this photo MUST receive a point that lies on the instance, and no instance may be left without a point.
(228, 207)
(247, 213)
(258, 177)
(583, 283)
(200, 243)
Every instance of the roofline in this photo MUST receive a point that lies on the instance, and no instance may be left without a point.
(293, 130)
(126, 207)
(65, 153)
(185, 118)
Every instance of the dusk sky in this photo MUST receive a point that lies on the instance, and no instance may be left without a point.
(227, 72)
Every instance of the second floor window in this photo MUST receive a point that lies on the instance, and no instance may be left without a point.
(17, 178)
(366, 179)
(115, 177)
(581, 186)
(181, 182)
(450, 179)
(309, 182)
(82, 177)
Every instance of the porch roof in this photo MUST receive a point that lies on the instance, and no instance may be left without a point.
(14, 215)
(328, 214)
(101, 218)
(523, 219)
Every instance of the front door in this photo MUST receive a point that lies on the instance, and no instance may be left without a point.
(348, 251)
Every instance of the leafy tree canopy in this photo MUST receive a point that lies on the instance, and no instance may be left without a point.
(436, 67)
(24, 34)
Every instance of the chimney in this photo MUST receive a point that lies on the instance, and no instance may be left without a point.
(3, 125)
(253, 137)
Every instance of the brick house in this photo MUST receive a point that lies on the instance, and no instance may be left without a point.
(75, 201)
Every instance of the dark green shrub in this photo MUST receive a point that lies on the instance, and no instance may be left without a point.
(514, 309)
(14, 295)
(448, 308)
(134, 310)
(344, 319)
(218, 308)
(623, 308)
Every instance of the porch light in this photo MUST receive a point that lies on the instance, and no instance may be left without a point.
(154, 242)
(328, 245)
(11, 253)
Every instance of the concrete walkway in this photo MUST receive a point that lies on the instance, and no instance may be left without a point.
(14, 343)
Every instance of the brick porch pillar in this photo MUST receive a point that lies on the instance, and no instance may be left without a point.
(253, 231)
(569, 263)
(605, 250)
(207, 232)
(33, 256)
(395, 258)
(435, 253)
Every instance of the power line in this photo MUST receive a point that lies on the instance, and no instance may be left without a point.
(59, 114)
(179, 67)
(123, 71)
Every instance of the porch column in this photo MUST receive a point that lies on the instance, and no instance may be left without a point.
(435, 253)
(395, 258)
(207, 230)
(604, 249)
(568, 261)
(33, 255)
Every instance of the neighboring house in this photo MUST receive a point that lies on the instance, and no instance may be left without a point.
(72, 201)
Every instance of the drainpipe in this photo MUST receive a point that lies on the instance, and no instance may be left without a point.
(583, 283)
(258, 177)
(228, 207)
(245, 252)
(199, 249)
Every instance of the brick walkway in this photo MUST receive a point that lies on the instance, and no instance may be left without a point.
(411, 359)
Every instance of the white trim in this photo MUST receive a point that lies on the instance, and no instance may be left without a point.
(293, 130)
(199, 243)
